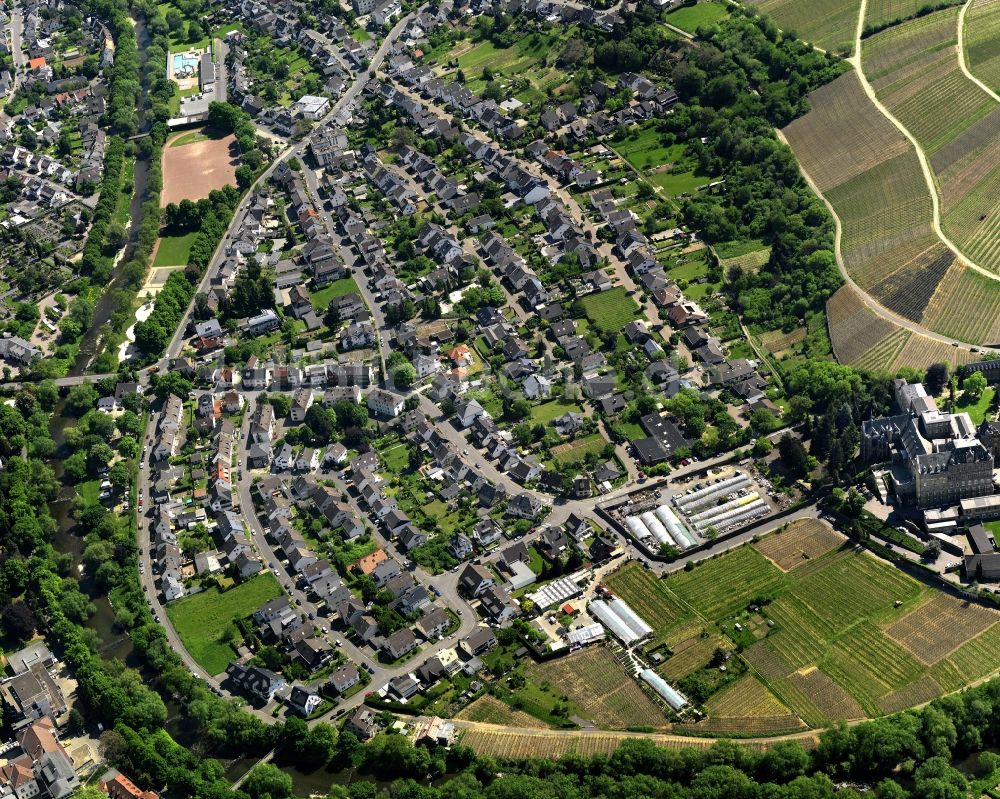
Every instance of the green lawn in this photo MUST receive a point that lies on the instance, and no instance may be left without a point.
(174, 250)
(690, 18)
(643, 148)
(202, 620)
(576, 451)
(359, 34)
(321, 299)
(548, 411)
(397, 458)
(977, 410)
(676, 183)
(189, 138)
(610, 310)
(89, 490)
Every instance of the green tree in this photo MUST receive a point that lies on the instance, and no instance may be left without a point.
(974, 385)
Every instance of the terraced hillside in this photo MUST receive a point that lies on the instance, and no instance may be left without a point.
(916, 72)
(982, 41)
(862, 338)
(828, 24)
(870, 174)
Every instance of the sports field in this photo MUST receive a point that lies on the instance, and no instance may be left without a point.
(192, 170)
(202, 620)
(828, 641)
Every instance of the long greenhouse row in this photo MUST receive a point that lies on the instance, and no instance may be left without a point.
(663, 526)
(696, 499)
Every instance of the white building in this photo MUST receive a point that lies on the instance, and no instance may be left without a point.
(384, 403)
(312, 107)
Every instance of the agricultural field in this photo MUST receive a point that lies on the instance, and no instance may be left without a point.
(829, 25)
(576, 451)
(939, 626)
(719, 587)
(202, 621)
(747, 707)
(915, 72)
(817, 699)
(777, 341)
(598, 685)
(516, 745)
(871, 175)
(982, 42)
(862, 338)
(749, 261)
(881, 13)
(835, 646)
(689, 656)
(610, 310)
(800, 542)
(648, 596)
(489, 710)
(964, 307)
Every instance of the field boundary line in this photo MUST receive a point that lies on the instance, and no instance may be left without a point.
(856, 61)
(960, 46)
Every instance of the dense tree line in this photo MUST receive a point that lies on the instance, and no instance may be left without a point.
(744, 79)
(233, 119)
(153, 334)
(105, 239)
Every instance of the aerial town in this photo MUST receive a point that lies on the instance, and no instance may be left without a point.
(506, 397)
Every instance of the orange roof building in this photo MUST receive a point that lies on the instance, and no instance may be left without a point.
(35, 63)
(460, 355)
(367, 564)
(121, 787)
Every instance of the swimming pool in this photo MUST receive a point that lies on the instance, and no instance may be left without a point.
(184, 62)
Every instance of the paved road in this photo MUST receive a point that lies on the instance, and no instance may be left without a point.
(292, 151)
(146, 522)
(382, 329)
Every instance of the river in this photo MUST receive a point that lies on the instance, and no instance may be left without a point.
(90, 344)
